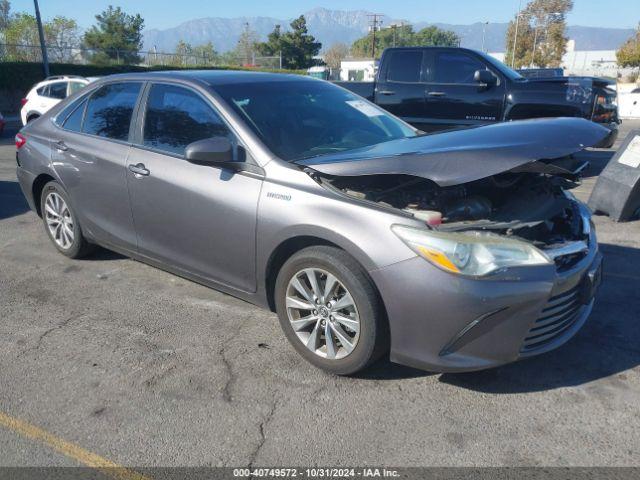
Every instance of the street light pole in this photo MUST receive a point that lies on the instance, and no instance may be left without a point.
(535, 40)
(43, 47)
(484, 28)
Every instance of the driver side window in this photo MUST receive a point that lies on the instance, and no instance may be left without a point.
(455, 67)
(176, 117)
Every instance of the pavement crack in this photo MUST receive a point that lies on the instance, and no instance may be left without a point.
(231, 377)
(263, 437)
(64, 323)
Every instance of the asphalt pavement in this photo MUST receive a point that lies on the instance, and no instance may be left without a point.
(113, 358)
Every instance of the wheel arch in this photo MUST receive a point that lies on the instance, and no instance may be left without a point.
(32, 115)
(36, 190)
(288, 247)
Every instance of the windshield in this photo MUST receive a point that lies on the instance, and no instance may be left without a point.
(301, 119)
(508, 72)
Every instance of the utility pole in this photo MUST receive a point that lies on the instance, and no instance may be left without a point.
(43, 47)
(375, 21)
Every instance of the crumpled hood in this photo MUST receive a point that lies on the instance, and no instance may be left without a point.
(461, 156)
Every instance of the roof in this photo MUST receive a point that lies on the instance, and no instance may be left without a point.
(213, 77)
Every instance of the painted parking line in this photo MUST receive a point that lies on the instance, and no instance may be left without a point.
(70, 450)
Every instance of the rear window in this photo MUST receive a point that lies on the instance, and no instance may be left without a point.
(65, 112)
(57, 90)
(110, 110)
(405, 66)
(75, 86)
(74, 121)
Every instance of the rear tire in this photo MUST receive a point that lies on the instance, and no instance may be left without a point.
(61, 222)
(351, 313)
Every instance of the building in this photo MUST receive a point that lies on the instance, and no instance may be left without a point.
(587, 63)
(358, 70)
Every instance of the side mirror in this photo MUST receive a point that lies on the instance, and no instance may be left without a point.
(485, 78)
(215, 151)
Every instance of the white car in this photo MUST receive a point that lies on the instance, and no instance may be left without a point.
(44, 95)
(630, 104)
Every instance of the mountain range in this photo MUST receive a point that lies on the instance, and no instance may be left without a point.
(332, 26)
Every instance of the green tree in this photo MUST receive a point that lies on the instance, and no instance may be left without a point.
(297, 46)
(182, 55)
(273, 44)
(541, 34)
(434, 36)
(22, 30)
(629, 53)
(403, 36)
(117, 36)
(21, 35)
(205, 54)
(62, 38)
(5, 15)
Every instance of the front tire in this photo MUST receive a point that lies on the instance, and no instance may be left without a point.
(330, 310)
(61, 222)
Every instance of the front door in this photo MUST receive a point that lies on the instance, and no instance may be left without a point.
(400, 88)
(454, 98)
(198, 218)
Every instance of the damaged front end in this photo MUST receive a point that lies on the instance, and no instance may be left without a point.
(531, 207)
(512, 183)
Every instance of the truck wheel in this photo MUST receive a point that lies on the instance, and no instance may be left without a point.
(330, 311)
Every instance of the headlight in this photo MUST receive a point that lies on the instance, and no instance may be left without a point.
(470, 253)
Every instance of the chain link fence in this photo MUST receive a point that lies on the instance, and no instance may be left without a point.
(92, 56)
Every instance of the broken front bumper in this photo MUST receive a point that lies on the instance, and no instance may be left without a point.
(444, 322)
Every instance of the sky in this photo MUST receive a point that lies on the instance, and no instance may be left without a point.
(165, 14)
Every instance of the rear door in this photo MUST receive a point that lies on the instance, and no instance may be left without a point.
(400, 88)
(198, 218)
(89, 153)
(453, 97)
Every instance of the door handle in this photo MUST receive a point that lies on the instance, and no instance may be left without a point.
(387, 92)
(139, 170)
(61, 146)
(436, 94)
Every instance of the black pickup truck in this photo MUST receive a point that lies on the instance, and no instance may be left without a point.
(436, 88)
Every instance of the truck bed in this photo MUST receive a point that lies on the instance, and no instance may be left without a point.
(364, 89)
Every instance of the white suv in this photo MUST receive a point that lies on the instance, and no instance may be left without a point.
(46, 94)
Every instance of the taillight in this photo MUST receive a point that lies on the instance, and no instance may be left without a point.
(24, 101)
(20, 141)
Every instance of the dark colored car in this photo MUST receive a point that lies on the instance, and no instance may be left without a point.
(436, 88)
(457, 251)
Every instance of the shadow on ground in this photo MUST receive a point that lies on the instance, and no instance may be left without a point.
(12, 201)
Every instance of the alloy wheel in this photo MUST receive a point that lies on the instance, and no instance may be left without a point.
(59, 220)
(322, 313)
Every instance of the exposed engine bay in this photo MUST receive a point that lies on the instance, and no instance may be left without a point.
(530, 206)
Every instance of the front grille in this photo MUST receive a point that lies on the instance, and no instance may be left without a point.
(560, 313)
